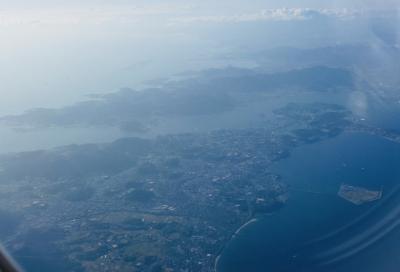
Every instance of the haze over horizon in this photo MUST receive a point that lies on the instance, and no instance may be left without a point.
(54, 53)
(200, 136)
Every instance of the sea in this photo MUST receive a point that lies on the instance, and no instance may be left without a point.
(319, 231)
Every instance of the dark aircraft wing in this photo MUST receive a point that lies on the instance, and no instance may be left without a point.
(7, 264)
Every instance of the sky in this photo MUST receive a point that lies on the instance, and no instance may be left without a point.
(239, 3)
(53, 53)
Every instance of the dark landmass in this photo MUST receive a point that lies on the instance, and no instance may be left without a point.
(207, 93)
(167, 204)
(358, 195)
(335, 56)
(164, 204)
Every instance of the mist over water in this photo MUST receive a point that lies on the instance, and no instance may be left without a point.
(193, 135)
(53, 56)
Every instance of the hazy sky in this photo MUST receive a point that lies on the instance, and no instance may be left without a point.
(54, 52)
(240, 3)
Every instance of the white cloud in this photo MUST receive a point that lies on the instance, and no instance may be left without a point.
(170, 13)
(358, 103)
(280, 14)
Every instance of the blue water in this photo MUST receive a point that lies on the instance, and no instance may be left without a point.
(295, 238)
(384, 115)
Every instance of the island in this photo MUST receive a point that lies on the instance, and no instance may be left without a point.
(170, 203)
(358, 195)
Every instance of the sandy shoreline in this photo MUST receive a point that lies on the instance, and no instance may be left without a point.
(251, 221)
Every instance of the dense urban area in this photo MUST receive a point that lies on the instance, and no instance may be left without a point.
(165, 204)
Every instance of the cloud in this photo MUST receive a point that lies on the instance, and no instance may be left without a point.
(173, 13)
(280, 14)
(358, 103)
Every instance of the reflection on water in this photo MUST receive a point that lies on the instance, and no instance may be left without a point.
(317, 230)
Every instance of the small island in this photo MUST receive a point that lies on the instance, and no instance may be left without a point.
(358, 195)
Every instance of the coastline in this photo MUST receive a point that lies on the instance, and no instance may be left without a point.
(247, 223)
(253, 220)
